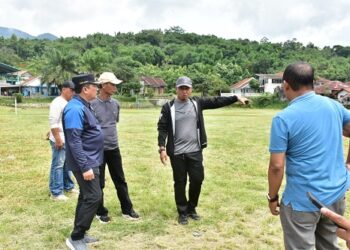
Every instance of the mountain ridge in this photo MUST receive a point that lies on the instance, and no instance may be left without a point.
(8, 32)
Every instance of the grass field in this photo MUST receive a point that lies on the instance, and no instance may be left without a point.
(232, 204)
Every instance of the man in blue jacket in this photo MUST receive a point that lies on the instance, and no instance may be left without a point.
(84, 155)
(182, 136)
(306, 140)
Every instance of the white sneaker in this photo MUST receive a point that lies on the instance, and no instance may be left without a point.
(60, 197)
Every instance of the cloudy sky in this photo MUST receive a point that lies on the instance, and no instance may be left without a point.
(322, 22)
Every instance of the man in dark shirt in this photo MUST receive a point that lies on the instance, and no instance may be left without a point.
(107, 113)
(84, 155)
(181, 128)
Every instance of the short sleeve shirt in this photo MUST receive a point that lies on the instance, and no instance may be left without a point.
(309, 132)
(107, 114)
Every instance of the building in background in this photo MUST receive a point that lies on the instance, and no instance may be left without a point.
(13, 80)
(257, 85)
(152, 84)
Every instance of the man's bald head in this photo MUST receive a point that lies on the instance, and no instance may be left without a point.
(299, 75)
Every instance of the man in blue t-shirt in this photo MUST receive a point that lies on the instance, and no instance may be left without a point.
(306, 137)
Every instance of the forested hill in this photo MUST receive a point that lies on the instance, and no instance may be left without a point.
(213, 63)
(8, 32)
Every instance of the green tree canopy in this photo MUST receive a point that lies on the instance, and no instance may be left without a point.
(95, 60)
(55, 66)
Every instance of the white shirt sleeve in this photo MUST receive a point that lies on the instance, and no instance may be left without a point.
(55, 115)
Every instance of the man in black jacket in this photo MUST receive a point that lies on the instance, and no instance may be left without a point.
(181, 129)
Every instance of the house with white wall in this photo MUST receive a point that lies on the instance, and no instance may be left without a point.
(22, 81)
(242, 88)
(269, 82)
(33, 87)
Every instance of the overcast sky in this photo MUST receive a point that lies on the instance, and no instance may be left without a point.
(322, 22)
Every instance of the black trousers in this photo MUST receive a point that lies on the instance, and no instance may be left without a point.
(90, 198)
(190, 164)
(113, 160)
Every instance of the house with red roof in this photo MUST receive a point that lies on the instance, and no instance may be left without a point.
(272, 83)
(156, 84)
(243, 88)
(334, 89)
(268, 83)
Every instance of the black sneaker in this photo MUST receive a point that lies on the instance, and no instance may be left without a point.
(104, 219)
(132, 215)
(182, 219)
(193, 215)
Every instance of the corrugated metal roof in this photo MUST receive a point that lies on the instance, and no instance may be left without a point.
(152, 81)
(5, 68)
(29, 81)
(330, 86)
(242, 83)
(7, 85)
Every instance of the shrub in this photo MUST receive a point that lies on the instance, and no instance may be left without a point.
(150, 93)
(122, 98)
(268, 101)
(19, 97)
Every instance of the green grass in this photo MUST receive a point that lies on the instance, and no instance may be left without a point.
(232, 203)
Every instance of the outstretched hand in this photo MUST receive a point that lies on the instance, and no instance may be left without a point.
(243, 100)
(341, 221)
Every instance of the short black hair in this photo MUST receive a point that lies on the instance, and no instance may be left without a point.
(298, 75)
(66, 84)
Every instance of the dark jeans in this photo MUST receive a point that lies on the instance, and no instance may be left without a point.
(89, 200)
(191, 164)
(114, 161)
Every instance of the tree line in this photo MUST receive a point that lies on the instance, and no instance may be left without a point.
(213, 63)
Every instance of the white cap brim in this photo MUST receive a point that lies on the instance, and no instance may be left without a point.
(184, 84)
(115, 81)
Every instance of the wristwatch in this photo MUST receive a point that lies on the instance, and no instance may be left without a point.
(272, 199)
(161, 149)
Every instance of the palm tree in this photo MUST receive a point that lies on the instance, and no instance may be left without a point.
(55, 66)
(58, 66)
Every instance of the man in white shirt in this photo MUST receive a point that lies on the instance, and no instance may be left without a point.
(60, 177)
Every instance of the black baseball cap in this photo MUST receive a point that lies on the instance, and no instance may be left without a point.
(68, 84)
(84, 79)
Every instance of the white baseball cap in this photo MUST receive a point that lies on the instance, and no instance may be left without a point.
(109, 77)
